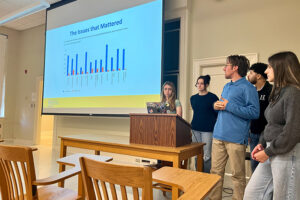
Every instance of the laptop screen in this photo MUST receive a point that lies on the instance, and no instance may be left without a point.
(156, 107)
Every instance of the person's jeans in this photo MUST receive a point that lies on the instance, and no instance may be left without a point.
(254, 139)
(205, 137)
(279, 175)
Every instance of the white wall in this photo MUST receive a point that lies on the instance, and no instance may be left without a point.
(31, 47)
(225, 27)
(11, 81)
(213, 28)
(238, 26)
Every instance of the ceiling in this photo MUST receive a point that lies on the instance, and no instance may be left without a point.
(30, 21)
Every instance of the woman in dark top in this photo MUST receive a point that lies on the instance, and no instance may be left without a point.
(204, 118)
(278, 174)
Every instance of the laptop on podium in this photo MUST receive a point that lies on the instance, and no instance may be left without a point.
(156, 107)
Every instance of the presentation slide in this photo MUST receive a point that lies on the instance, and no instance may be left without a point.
(106, 65)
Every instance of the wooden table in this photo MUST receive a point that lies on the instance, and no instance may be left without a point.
(98, 143)
(195, 185)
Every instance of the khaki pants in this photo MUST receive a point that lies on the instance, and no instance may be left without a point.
(221, 152)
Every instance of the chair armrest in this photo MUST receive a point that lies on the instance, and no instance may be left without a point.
(58, 177)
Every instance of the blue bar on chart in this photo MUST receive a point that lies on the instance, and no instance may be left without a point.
(106, 55)
(85, 62)
(96, 66)
(76, 63)
(91, 70)
(123, 59)
(76, 67)
(117, 59)
(68, 66)
(72, 72)
(101, 69)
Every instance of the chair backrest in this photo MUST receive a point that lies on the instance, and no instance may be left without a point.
(17, 173)
(97, 175)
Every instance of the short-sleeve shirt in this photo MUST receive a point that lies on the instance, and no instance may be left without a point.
(205, 116)
(177, 104)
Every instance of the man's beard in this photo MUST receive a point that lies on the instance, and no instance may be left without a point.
(254, 81)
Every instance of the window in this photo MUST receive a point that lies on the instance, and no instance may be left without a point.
(171, 52)
(3, 45)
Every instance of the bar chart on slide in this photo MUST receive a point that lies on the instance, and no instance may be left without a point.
(91, 66)
(87, 69)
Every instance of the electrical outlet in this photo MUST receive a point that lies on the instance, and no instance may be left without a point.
(137, 160)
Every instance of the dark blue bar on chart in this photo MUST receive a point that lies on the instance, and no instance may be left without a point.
(112, 64)
(106, 56)
(100, 65)
(76, 62)
(85, 62)
(90, 67)
(123, 59)
(117, 59)
(67, 65)
(72, 67)
(95, 66)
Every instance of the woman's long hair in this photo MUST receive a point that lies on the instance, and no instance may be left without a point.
(286, 69)
(172, 98)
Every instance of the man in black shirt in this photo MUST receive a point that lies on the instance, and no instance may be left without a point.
(258, 78)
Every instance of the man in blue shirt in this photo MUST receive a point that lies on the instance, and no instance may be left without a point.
(238, 105)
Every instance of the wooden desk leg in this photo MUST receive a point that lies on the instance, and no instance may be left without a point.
(200, 161)
(176, 163)
(175, 190)
(63, 153)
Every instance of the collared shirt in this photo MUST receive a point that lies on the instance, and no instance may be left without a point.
(243, 105)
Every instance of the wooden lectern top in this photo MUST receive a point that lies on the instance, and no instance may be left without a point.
(159, 129)
(162, 114)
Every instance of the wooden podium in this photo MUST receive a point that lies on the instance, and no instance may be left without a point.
(159, 129)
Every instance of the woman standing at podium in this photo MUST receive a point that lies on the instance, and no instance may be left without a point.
(204, 118)
(173, 105)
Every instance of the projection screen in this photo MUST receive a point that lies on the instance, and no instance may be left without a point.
(103, 57)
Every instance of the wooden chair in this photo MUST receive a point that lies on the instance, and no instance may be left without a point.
(18, 180)
(96, 174)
